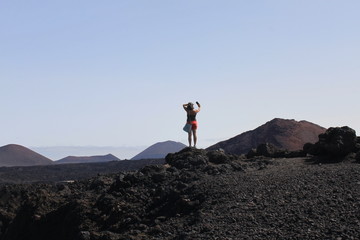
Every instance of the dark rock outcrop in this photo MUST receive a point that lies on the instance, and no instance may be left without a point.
(357, 146)
(219, 157)
(192, 158)
(335, 143)
(269, 150)
(357, 157)
(188, 158)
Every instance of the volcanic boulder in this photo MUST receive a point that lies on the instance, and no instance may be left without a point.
(188, 158)
(270, 150)
(334, 143)
(357, 156)
(357, 146)
(219, 157)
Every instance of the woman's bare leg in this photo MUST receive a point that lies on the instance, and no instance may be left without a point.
(195, 137)
(189, 138)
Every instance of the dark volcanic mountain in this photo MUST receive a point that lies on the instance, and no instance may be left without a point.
(91, 159)
(159, 150)
(16, 155)
(283, 133)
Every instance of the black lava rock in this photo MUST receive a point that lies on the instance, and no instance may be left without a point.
(270, 150)
(189, 158)
(334, 143)
(358, 156)
(218, 157)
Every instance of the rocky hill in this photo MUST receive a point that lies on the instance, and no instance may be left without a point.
(88, 159)
(159, 150)
(16, 155)
(282, 133)
(198, 194)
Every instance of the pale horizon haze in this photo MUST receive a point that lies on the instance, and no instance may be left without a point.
(116, 73)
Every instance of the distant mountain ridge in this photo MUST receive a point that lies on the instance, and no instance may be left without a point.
(59, 152)
(16, 155)
(283, 133)
(159, 150)
(88, 159)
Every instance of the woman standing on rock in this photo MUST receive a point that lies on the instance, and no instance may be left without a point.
(191, 119)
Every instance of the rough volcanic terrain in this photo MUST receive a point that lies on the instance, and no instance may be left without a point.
(70, 172)
(198, 194)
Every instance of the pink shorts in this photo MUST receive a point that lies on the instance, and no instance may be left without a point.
(194, 125)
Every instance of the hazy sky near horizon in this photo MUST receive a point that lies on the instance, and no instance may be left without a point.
(116, 73)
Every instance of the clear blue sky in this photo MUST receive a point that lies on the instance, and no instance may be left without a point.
(116, 73)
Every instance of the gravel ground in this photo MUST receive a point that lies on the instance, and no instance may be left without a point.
(290, 199)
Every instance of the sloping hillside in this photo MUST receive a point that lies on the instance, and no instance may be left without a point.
(16, 155)
(283, 133)
(159, 150)
(89, 159)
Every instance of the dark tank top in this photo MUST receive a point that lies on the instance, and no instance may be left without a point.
(191, 118)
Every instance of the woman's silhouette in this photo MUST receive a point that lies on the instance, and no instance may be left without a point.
(191, 119)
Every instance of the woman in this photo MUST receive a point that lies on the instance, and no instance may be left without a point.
(191, 119)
